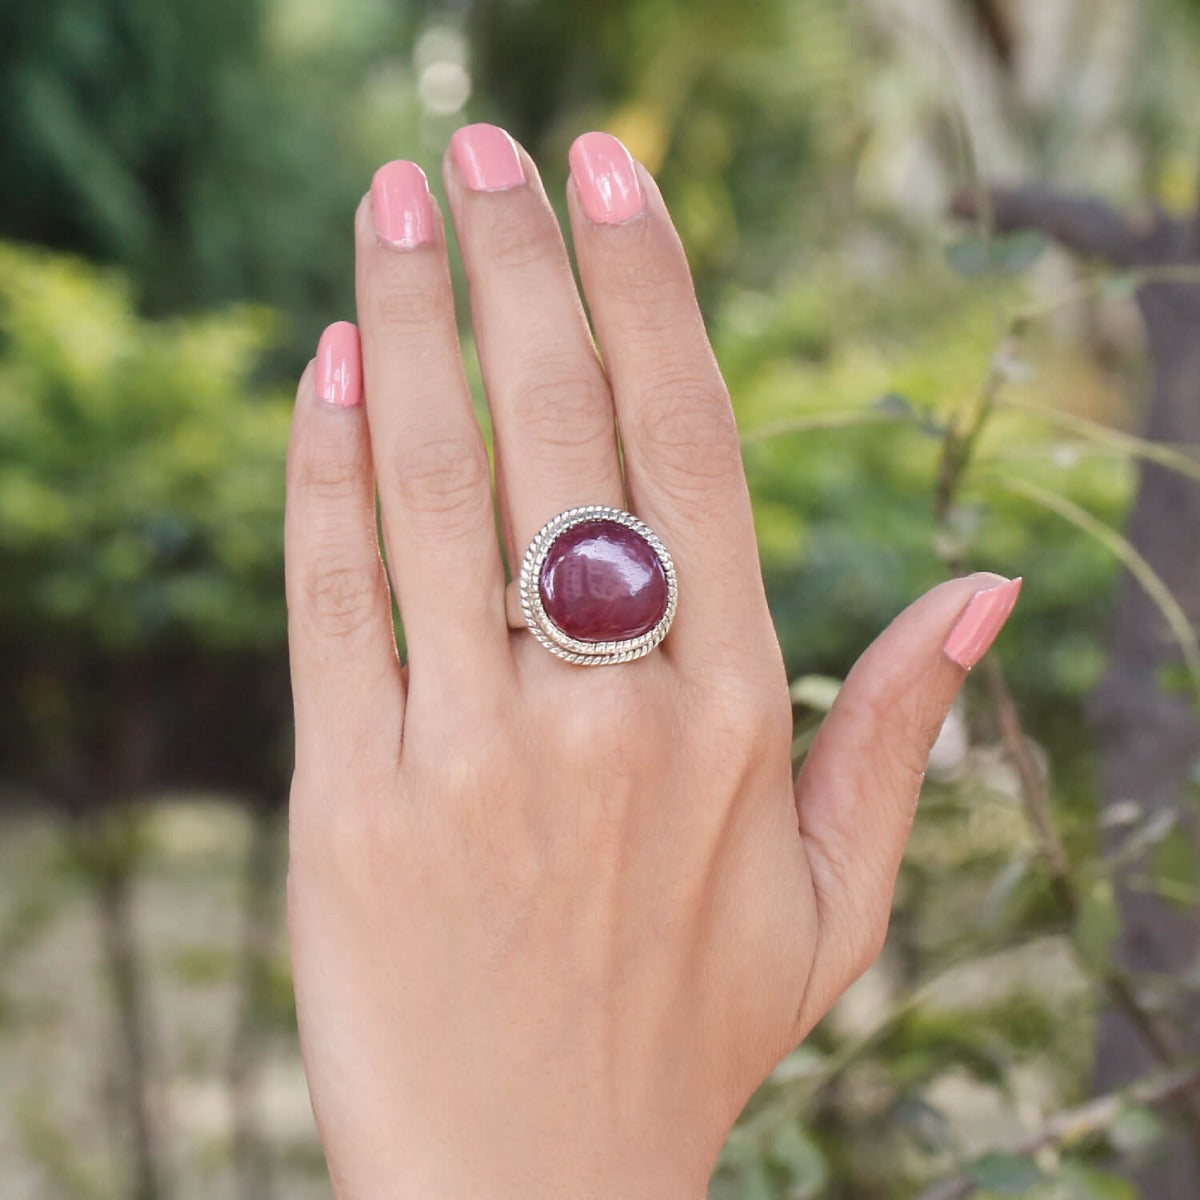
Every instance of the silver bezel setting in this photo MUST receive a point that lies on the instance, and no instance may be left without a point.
(590, 654)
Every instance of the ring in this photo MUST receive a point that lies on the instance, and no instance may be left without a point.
(596, 587)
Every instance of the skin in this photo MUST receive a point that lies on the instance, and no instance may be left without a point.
(552, 925)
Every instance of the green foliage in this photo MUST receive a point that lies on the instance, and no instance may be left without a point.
(214, 153)
(786, 1162)
(729, 105)
(141, 484)
(1097, 925)
(977, 255)
(1006, 1174)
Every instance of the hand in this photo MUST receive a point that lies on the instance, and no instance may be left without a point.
(551, 925)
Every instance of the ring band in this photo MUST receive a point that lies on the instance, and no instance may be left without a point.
(596, 587)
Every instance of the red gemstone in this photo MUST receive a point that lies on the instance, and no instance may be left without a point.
(602, 582)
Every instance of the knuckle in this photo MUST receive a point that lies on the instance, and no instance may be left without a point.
(561, 411)
(900, 757)
(325, 476)
(340, 843)
(650, 277)
(513, 242)
(685, 429)
(618, 727)
(409, 305)
(339, 599)
(462, 778)
(361, 846)
(760, 721)
(856, 914)
(446, 479)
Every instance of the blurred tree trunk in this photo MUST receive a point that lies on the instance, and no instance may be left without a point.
(129, 728)
(261, 888)
(1148, 732)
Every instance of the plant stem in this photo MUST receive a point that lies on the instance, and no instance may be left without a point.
(959, 445)
(1092, 1117)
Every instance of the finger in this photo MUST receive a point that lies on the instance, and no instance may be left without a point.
(857, 792)
(683, 466)
(434, 480)
(343, 654)
(552, 414)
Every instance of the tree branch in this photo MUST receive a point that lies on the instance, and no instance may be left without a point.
(1072, 1124)
(995, 25)
(1079, 223)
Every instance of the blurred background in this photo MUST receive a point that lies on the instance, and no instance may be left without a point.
(949, 252)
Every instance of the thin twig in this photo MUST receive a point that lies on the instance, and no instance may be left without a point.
(1034, 791)
(959, 445)
(819, 422)
(1072, 1124)
(1130, 557)
(1176, 457)
(1158, 1037)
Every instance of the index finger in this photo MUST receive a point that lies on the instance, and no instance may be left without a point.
(682, 459)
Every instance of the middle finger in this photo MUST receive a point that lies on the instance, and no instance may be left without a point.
(552, 411)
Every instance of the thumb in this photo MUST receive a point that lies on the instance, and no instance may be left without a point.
(857, 791)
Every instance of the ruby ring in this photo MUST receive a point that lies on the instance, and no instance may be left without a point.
(596, 586)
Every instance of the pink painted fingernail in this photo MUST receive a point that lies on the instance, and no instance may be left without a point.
(486, 158)
(402, 205)
(339, 366)
(606, 179)
(980, 622)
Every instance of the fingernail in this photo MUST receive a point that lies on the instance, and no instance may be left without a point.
(402, 205)
(339, 366)
(486, 158)
(980, 622)
(606, 179)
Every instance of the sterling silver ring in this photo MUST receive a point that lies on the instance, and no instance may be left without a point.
(596, 587)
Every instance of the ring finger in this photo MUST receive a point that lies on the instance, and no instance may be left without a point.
(434, 486)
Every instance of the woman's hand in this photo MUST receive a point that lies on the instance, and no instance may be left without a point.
(552, 925)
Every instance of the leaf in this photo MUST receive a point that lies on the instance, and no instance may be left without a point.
(893, 404)
(1119, 285)
(969, 256)
(1004, 888)
(1019, 251)
(1006, 1174)
(754, 1181)
(793, 1147)
(926, 1124)
(804, 1062)
(1135, 1129)
(976, 255)
(1174, 679)
(1097, 925)
(1175, 865)
(1086, 1183)
(817, 692)
(1142, 833)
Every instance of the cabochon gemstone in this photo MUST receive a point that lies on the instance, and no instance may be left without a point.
(602, 582)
